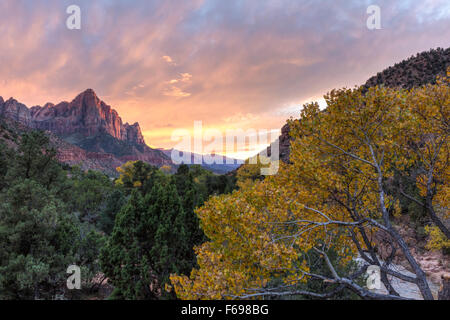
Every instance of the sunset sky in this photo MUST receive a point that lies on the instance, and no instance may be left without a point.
(230, 64)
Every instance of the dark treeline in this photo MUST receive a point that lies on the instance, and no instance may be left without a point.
(135, 230)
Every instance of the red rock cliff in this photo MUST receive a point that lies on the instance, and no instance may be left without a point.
(86, 115)
(12, 109)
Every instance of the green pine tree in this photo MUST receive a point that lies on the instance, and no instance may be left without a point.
(39, 236)
(148, 243)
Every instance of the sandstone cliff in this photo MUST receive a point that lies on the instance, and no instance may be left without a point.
(12, 109)
(93, 133)
(86, 115)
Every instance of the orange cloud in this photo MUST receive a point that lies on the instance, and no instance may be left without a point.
(168, 63)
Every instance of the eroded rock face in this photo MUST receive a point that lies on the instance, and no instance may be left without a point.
(284, 141)
(95, 135)
(14, 110)
(133, 133)
(86, 115)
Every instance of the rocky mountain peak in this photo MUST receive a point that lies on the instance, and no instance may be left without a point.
(85, 116)
(16, 111)
(49, 105)
(87, 98)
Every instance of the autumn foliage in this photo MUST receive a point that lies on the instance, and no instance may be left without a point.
(340, 188)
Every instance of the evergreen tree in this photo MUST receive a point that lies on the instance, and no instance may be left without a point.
(136, 175)
(38, 243)
(122, 256)
(148, 243)
(38, 238)
(39, 235)
(89, 194)
(114, 202)
(36, 160)
(4, 159)
(191, 198)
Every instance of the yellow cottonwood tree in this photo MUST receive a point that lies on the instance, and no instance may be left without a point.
(334, 194)
(425, 142)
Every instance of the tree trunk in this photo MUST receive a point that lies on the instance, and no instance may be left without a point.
(444, 293)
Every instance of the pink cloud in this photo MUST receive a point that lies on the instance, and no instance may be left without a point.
(176, 62)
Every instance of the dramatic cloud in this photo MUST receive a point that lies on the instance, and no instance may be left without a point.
(231, 64)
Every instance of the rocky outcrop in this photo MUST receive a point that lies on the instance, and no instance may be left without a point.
(86, 115)
(14, 110)
(284, 141)
(105, 162)
(133, 133)
(72, 155)
(93, 135)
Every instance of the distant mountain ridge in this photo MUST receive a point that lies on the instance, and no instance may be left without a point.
(229, 164)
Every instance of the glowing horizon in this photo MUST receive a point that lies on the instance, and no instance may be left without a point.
(230, 64)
